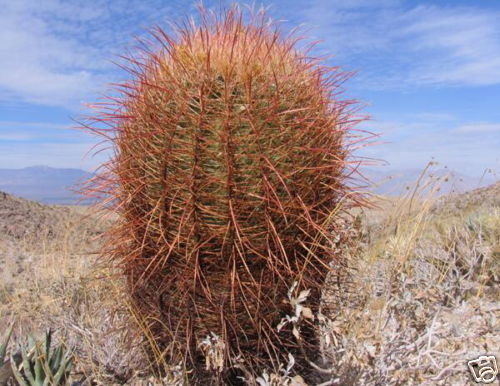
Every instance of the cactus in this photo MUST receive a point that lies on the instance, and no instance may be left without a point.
(232, 156)
(41, 365)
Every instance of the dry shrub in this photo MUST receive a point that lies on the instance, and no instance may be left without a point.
(427, 287)
(54, 280)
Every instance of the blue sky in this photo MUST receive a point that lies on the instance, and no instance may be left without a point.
(428, 72)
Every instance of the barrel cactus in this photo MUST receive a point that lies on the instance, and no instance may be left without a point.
(232, 156)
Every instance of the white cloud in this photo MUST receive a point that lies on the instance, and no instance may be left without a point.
(56, 52)
(396, 46)
(409, 143)
(16, 125)
(15, 136)
(473, 128)
(433, 117)
(59, 53)
(40, 65)
(39, 132)
(459, 45)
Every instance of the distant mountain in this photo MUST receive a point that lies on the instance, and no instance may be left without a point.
(44, 184)
(395, 182)
(54, 185)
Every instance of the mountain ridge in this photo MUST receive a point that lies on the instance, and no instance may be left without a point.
(45, 184)
(50, 185)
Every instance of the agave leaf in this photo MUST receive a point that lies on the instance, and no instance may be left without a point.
(31, 348)
(5, 343)
(49, 376)
(63, 370)
(39, 359)
(55, 360)
(38, 369)
(40, 365)
(70, 364)
(31, 342)
(17, 374)
(48, 342)
(27, 367)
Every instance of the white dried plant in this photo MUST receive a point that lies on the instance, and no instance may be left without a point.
(213, 348)
(283, 377)
(300, 311)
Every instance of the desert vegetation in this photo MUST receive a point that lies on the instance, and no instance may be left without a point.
(421, 301)
(236, 241)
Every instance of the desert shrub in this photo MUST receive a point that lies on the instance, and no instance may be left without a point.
(232, 166)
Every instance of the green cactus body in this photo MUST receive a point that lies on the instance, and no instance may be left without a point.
(231, 154)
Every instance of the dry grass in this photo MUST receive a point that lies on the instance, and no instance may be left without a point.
(423, 300)
(57, 281)
(426, 293)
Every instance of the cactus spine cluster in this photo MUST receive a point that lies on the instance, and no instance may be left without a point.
(231, 160)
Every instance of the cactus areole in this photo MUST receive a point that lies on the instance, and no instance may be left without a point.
(232, 156)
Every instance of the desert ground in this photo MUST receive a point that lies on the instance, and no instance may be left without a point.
(422, 296)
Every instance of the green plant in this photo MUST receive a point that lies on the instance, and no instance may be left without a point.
(41, 365)
(232, 157)
(5, 372)
(4, 343)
